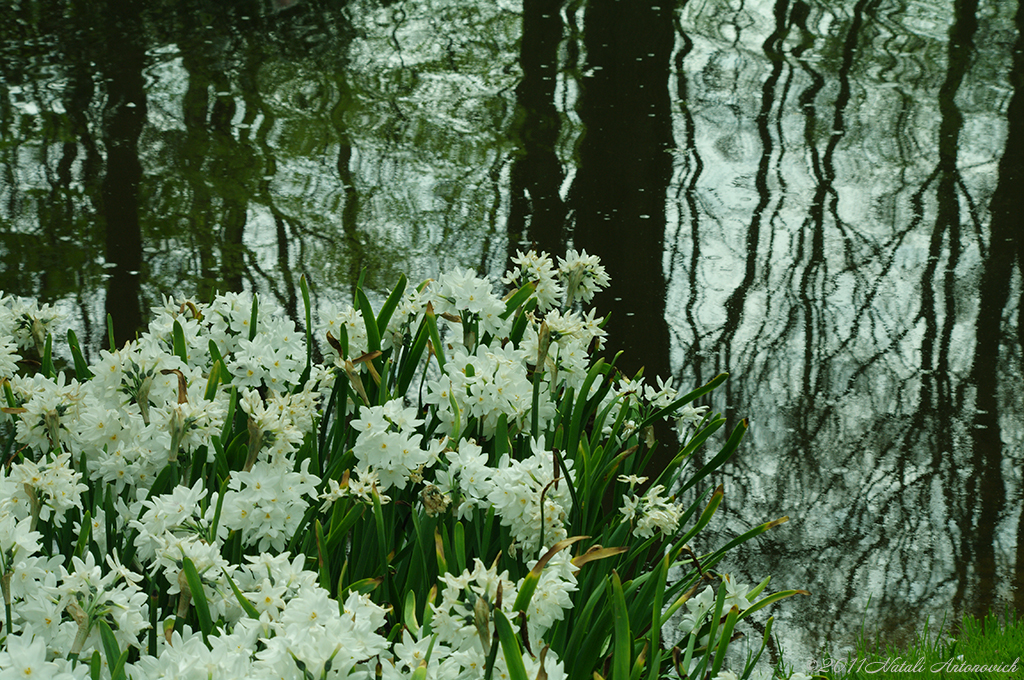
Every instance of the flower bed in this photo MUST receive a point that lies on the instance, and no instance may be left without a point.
(458, 491)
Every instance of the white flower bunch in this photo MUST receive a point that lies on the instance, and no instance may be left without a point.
(486, 384)
(567, 354)
(17, 538)
(463, 626)
(266, 503)
(25, 323)
(49, 406)
(274, 423)
(540, 270)
(468, 477)
(49, 488)
(652, 512)
(529, 499)
(641, 400)
(343, 319)
(137, 458)
(25, 656)
(583, 275)
(464, 299)
(301, 631)
(390, 446)
(577, 278)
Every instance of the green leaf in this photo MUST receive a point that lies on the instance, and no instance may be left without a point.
(84, 534)
(409, 614)
(372, 334)
(622, 640)
(460, 547)
(705, 517)
(727, 450)
(47, 364)
(115, 657)
(382, 538)
(723, 645)
(82, 372)
(340, 528)
(95, 665)
(771, 599)
(178, 335)
(518, 298)
(510, 646)
(363, 586)
(195, 585)
(213, 381)
(321, 557)
(410, 362)
(247, 606)
(654, 643)
(430, 321)
(442, 562)
(384, 317)
(252, 316)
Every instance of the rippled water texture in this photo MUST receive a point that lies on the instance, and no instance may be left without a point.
(825, 200)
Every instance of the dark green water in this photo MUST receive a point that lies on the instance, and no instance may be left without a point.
(824, 199)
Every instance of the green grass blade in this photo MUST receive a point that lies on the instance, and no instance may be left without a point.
(430, 320)
(253, 315)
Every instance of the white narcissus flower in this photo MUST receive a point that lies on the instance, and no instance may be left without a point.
(9, 356)
(582, 274)
(516, 490)
(16, 537)
(539, 270)
(267, 503)
(56, 486)
(24, 656)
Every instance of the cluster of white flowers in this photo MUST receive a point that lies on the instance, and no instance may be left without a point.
(485, 385)
(463, 298)
(463, 625)
(652, 512)
(300, 627)
(145, 404)
(577, 278)
(389, 447)
(47, 489)
(644, 399)
(525, 494)
(528, 497)
(24, 324)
